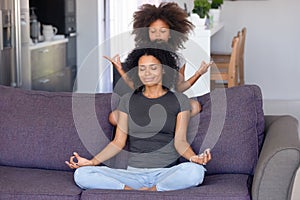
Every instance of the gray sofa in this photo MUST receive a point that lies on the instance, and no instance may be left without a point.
(254, 156)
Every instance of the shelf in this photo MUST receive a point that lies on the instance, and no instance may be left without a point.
(201, 32)
(47, 43)
(216, 27)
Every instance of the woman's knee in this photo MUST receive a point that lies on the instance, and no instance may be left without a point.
(195, 173)
(81, 176)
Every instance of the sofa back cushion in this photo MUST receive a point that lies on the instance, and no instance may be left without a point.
(231, 123)
(42, 129)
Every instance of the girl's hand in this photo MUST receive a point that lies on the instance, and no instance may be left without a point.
(204, 67)
(118, 65)
(115, 61)
(80, 161)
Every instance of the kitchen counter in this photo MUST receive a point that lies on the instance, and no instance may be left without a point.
(56, 40)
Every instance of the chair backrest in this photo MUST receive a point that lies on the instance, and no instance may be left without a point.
(241, 56)
(233, 63)
(230, 67)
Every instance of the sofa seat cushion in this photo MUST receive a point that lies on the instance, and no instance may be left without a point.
(31, 184)
(215, 187)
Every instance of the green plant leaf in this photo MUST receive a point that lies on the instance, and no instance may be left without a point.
(201, 7)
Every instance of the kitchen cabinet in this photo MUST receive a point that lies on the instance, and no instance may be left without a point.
(58, 81)
(49, 70)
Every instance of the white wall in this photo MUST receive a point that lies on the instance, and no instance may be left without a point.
(92, 68)
(272, 51)
(272, 54)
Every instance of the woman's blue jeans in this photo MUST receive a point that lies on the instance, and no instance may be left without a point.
(184, 175)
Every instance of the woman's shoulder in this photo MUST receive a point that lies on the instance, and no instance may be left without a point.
(179, 95)
(127, 96)
(182, 99)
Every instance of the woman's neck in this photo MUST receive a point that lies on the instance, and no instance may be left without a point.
(154, 92)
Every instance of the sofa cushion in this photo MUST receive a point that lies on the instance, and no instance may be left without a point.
(214, 187)
(31, 184)
(231, 123)
(42, 129)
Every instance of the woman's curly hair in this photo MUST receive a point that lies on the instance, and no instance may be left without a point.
(171, 14)
(163, 53)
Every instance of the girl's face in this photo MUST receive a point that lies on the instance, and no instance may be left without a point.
(150, 70)
(159, 31)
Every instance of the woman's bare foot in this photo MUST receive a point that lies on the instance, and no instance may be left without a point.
(144, 189)
(148, 189)
(153, 188)
(127, 188)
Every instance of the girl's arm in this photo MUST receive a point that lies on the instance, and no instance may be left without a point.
(183, 85)
(116, 62)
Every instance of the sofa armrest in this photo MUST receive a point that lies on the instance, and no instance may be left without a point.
(279, 159)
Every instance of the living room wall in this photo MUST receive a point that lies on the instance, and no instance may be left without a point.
(93, 70)
(272, 46)
(272, 49)
(272, 53)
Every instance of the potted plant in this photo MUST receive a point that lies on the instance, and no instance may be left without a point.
(200, 12)
(216, 4)
(215, 11)
(201, 7)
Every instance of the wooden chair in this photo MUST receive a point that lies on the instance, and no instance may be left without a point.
(241, 57)
(222, 60)
(227, 72)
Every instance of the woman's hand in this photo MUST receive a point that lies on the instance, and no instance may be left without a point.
(80, 161)
(204, 67)
(115, 61)
(203, 158)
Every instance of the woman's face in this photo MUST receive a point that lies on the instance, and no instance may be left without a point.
(159, 31)
(150, 70)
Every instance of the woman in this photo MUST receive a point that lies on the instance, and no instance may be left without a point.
(155, 141)
(165, 23)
